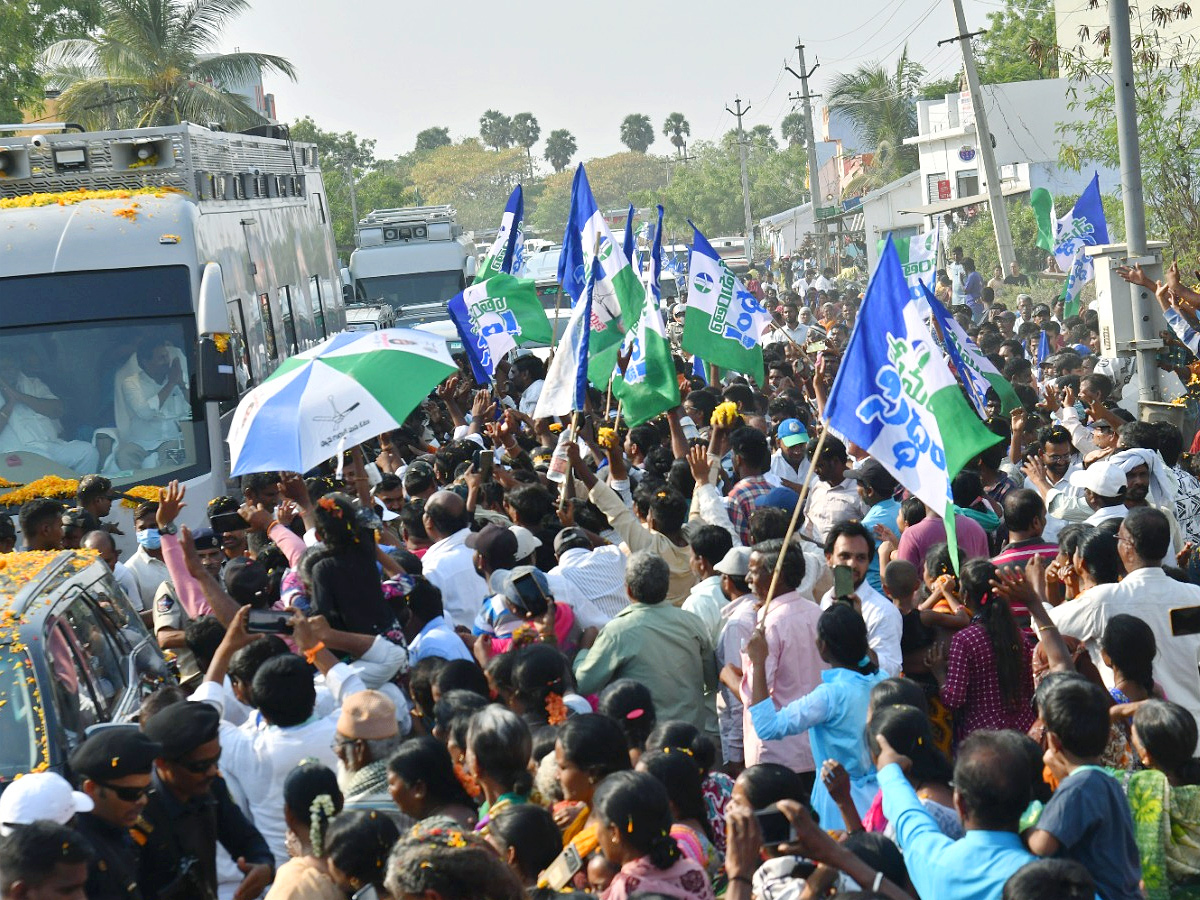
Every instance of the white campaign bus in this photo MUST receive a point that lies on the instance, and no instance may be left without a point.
(413, 259)
(127, 255)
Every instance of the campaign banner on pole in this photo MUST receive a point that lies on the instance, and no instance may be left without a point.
(918, 259)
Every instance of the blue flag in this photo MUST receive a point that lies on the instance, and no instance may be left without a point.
(1043, 347)
(699, 369)
(565, 389)
(504, 256)
(1083, 226)
(896, 398)
(630, 245)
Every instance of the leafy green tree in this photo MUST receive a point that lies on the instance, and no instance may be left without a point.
(637, 133)
(432, 138)
(678, 130)
(616, 181)
(1166, 93)
(153, 63)
(525, 132)
(1011, 32)
(881, 105)
(709, 190)
(792, 128)
(939, 88)
(28, 28)
(473, 179)
(495, 129)
(761, 136)
(342, 155)
(560, 147)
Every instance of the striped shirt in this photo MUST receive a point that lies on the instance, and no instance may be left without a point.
(1018, 554)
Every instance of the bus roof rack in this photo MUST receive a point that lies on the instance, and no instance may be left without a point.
(408, 215)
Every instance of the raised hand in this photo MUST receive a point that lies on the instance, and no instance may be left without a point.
(170, 503)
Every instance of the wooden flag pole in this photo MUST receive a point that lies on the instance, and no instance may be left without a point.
(565, 492)
(787, 538)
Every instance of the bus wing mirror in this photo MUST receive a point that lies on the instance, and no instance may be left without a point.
(212, 315)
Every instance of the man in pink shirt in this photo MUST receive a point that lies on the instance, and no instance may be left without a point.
(793, 664)
(917, 539)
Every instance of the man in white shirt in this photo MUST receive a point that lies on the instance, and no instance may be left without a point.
(150, 401)
(850, 544)
(824, 282)
(833, 497)
(146, 564)
(708, 544)
(1151, 595)
(29, 414)
(957, 274)
(528, 374)
(792, 328)
(102, 542)
(789, 462)
(449, 563)
(595, 571)
(1103, 490)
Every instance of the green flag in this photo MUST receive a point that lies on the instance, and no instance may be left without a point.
(1043, 208)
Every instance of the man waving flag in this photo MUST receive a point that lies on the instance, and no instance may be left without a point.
(724, 321)
(617, 296)
(896, 398)
(648, 386)
(974, 369)
(506, 250)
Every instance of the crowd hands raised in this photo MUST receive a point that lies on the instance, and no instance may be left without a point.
(479, 659)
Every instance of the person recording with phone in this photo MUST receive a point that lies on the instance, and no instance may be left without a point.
(849, 549)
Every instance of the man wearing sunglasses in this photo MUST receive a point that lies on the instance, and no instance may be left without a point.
(189, 810)
(115, 765)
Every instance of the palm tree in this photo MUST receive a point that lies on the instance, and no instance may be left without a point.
(677, 128)
(560, 147)
(637, 133)
(761, 136)
(792, 128)
(153, 62)
(495, 129)
(525, 131)
(882, 106)
(432, 138)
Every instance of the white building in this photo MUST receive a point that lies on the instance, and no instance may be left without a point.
(1024, 117)
(887, 210)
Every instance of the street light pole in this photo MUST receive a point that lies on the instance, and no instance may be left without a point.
(745, 177)
(810, 141)
(1120, 49)
(983, 135)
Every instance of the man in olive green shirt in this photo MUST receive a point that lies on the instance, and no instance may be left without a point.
(665, 648)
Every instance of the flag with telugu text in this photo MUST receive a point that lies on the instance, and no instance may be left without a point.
(504, 256)
(494, 316)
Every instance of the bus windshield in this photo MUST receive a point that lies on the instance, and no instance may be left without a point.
(403, 290)
(95, 376)
(20, 748)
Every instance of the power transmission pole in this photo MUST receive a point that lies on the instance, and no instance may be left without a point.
(1004, 241)
(745, 178)
(353, 198)
(1121, 50)
(810, 141)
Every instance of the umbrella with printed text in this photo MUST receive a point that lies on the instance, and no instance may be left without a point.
(348, 389)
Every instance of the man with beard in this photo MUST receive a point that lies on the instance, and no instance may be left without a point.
(367, 735)
(150, 400)
(1048, 472)
(1148, 482)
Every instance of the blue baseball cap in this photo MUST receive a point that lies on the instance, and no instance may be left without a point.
(780, 497)
(791, 432)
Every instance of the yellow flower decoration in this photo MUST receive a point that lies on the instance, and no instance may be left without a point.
(151, 160)
(607, 438)
(47, 486)
(724, 415)
(145, 493)
(555, 427)
(70, 198)
(221, 341)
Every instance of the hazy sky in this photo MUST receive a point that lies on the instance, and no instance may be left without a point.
(389, 68)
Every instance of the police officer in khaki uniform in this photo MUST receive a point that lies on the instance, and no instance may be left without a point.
(115, 764)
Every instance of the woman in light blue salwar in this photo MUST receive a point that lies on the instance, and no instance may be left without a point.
(834, 714)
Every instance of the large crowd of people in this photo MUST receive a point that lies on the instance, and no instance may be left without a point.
(452, 665)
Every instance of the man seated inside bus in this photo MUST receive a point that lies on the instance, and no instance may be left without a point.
(30, 414)
(150, 401)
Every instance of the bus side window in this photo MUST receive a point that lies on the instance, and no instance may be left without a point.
(241, 352)
(289, 320)
(268, 324)
(318, 305)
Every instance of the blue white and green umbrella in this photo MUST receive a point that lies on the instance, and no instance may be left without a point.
(346, 390)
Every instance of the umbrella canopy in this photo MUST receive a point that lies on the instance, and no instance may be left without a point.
(346, 390)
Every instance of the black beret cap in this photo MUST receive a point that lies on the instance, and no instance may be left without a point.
(182, 727)
(114, 753)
